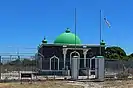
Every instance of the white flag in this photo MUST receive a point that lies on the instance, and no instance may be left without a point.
(107, 22)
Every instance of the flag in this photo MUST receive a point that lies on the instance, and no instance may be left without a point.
(107, 22)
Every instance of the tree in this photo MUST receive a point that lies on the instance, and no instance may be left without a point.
(115, 53)
(15, 62)
(28, 62)
(130, 56)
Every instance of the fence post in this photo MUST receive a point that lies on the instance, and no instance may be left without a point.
(19, 67)
(101, 71)
(75, 68)
(0, 67)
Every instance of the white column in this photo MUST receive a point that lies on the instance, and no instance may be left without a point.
(50, 64)
(64, 54)
(58, 64)
(96, 67)
(85, 53)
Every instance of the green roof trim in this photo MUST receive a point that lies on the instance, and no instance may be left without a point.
(99, 56)
(67, 38)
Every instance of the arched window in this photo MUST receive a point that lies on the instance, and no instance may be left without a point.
(54, 63)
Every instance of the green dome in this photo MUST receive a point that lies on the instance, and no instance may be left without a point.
(67, 38)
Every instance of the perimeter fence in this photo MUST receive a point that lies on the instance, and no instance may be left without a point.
(11, 67)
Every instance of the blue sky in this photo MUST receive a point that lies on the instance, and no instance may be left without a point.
(24, 23)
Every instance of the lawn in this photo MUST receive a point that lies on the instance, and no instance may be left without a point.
(46, 84)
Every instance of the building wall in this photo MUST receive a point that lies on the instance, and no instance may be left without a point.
(50, 51)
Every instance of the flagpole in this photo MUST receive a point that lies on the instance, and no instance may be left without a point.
(75, 30)
(100, 30)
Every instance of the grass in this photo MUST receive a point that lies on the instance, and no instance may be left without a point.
(63, 84)
(118, 84)
(46, 84)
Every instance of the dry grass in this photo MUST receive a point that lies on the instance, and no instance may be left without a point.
(63, 84)
(118, 84)
(47, 84)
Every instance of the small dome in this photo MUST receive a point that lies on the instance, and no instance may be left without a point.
(44, 40)
(102, 43)
(67, 38)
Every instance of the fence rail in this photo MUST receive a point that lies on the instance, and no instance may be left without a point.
(11, 66)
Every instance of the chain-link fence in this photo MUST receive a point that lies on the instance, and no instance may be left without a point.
(115, 68)
(12, 66)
